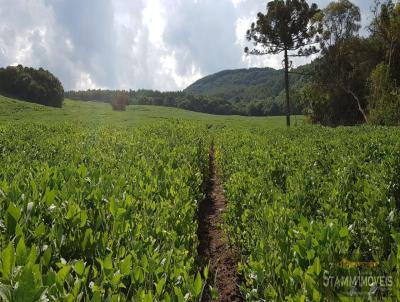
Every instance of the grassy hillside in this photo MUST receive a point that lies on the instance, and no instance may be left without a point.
(101, 113)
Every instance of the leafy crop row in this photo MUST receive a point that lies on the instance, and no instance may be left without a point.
(100, 213)
(309, 207)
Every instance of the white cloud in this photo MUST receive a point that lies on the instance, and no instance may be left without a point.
(154, 19)
(85, 82)
(156, 44)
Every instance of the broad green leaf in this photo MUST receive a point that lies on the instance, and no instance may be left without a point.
(72, 210)
(115, 298)
(144, 262)
(126, 265)
(310, 254)
(37, 275)
(61, 275)
(317, 266)
(13, 215)
(14, 212)
(49, 196)
(344, 232)
(33, 254)
(148, 297)
(116, 281)
(47, 255)
(84, 217)
(8, 261)
(107, 263)
(160, 286)
(96, 297)
(21, 252)
(198, 285)
(113, 207)
(40, 230)
(316, 295)
(120, 212)
(137, 274)
(205, 272)
(69, 298)
(29, 286)
(79, 267)
(178, 294)
(88, 239)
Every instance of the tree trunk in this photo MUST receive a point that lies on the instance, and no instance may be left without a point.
(287, 88)
(358, 104)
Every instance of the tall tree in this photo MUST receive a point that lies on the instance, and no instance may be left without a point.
(385, 27)
(344, 53)
(384, 98)
(288, 26)
(341, 21)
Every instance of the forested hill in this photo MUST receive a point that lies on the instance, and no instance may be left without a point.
(240, 83)
(259, 90)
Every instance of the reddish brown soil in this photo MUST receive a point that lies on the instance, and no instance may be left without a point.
(214, 245)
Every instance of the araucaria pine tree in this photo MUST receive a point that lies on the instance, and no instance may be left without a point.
(288, 26)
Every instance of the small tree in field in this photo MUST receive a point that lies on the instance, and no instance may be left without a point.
(287, 26)
(120, 102)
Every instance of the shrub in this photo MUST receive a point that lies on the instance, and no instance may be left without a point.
(120, 102)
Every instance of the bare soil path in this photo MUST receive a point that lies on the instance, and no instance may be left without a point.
(214, 245)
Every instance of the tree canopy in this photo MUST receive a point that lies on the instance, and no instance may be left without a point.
(31, 85)
(355, 78)
(287, 26)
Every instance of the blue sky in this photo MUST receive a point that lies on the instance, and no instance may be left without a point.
(155, 44)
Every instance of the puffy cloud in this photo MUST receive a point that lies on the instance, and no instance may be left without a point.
(157, 44)
(203, 33)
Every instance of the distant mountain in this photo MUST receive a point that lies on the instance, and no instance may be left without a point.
(244, 86)
(243, 83)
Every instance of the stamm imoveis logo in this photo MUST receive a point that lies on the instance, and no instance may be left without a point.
(358, 279)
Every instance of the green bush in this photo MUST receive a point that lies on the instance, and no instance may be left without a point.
(120, 102)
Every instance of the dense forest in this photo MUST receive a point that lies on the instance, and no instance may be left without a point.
(356, 78)
(32, 85)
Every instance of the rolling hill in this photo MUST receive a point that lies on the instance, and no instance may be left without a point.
(245, 84)
(234, 84)
(254, 91)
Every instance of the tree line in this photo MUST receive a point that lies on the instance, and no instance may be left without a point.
(355, 79)
(271, 106)
(31, 85)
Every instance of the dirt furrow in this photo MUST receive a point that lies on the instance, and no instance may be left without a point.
(214, 246)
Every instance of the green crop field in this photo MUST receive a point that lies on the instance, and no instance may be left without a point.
(311, 206)
(100, 113)
(97, 205)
